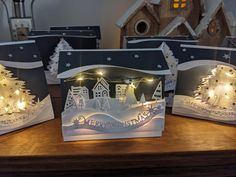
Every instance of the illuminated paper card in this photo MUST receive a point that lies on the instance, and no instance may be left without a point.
(111, 94)
(24, 98)
(206, 85)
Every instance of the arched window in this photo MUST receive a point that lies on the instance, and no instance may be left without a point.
(179, 4)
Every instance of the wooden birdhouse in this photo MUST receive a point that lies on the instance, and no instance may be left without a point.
(206, 22)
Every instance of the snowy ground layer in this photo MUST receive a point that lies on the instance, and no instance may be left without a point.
(151, 127)
(188, 106)
(41, 112)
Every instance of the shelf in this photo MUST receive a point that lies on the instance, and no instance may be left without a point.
(188, 147)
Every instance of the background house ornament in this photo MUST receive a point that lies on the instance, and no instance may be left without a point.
(207, 23)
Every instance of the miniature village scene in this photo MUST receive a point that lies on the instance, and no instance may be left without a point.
(103, 110)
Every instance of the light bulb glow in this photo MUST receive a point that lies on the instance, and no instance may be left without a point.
(100, 73)
(229, 74)
(17, 92)
(1, 98)
(227, 87)
(211, 93)
(21, 105)
(150, 80)
(132, 85)
(80, 79)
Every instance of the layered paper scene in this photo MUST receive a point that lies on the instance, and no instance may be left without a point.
(206, 84)
(116, 93)
(23, 101)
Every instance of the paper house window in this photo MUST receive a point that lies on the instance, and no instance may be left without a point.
(126, 101)
(179, 4)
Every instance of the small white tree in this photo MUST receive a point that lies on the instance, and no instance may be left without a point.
(130, 97)
(53, 64)
(70, 102)
(105, 106)
(157, 95)
(142, 99)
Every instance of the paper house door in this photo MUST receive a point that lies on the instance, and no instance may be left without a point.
(206, 84)
(24, 98)
(111, 94)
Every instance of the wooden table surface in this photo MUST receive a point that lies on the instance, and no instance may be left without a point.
(188, 147)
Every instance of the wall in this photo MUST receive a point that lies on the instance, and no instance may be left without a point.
(78, 12)
(74, 12)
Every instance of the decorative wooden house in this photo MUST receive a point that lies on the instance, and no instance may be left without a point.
(204, 20)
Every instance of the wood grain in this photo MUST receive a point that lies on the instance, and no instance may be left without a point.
(188, 147)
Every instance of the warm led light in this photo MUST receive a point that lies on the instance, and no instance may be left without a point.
(229, 74)
(1, 98)
(132, 85)
(21, 105)
(227, 87)
(17, 92)
(176, 5)
(214, 71)
(211, 93)
(80, 78)
(150, 80)
(100, 73)
(6, 109)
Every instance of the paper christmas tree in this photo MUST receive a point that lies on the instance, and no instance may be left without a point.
(219, 89)
(53, 64)
(14, 98)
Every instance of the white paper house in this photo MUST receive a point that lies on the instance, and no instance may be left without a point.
(76, 91)
(101, 89)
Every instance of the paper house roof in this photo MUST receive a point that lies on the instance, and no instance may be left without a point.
(95, 29)
(61, 33)
(150, 61)
(193, 56)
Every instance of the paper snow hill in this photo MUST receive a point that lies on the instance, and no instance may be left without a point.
(111, 94)
(24, 98)
(206, 85)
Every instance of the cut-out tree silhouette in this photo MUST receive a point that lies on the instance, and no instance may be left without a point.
(14, 98)
(53, 64)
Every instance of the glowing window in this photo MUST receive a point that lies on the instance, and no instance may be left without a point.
(179, 4)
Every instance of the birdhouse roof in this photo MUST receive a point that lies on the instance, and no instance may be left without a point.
(211, 11)
(139, 4)
(176, 23)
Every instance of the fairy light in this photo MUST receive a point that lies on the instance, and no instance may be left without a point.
(80, 78)
(150, 80)
(21, 105)
(100, 73)
(17, 92)
(229, 74)
(211, 93)
(1, 98)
